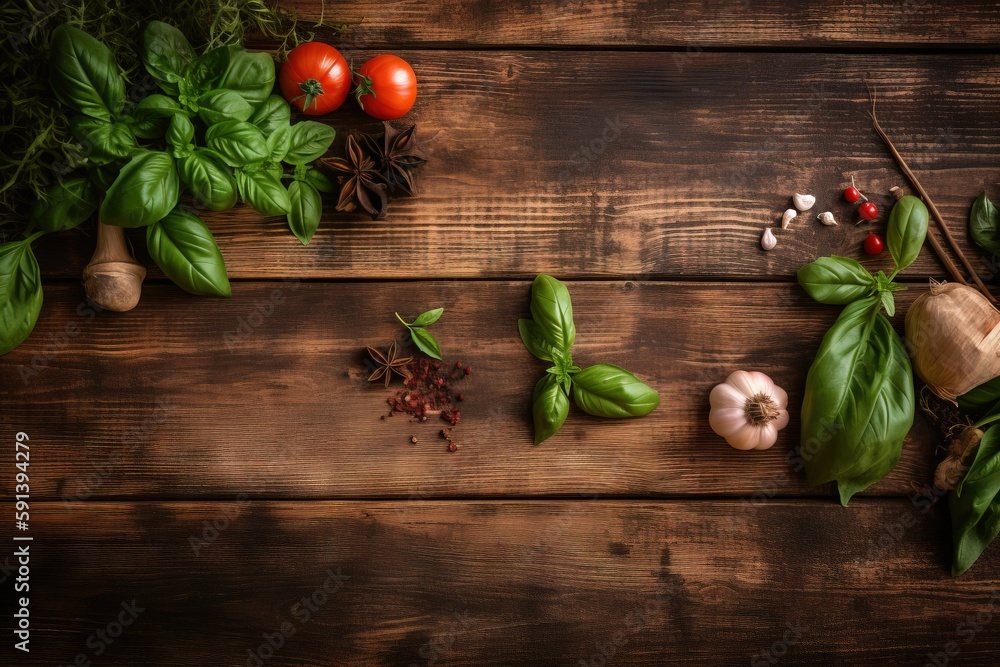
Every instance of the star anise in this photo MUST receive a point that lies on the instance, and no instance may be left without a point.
(361, 183)
(387, 364)
(397, 155)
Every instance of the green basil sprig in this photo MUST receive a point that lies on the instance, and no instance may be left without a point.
(184, 248)
(859, 399)
(975, 504)
(423, 338)
(601, 390)
(984, 225)
(84, 75)
(20, 292)
(67, 203)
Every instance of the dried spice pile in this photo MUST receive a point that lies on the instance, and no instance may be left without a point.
(430, 390)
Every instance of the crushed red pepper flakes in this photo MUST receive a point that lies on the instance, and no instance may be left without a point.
(428, 391)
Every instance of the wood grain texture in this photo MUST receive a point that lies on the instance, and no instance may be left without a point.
(189, 398)
(491, 584)
(673, 174)
(687, 24)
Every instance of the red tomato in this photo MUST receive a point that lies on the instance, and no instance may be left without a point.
(316, 78)
(387, 87)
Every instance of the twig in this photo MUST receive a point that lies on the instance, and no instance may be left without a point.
(935, 244)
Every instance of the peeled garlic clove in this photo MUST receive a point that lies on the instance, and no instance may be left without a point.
(827, 219)
(767, 240)
(803, 202)
(787, 216)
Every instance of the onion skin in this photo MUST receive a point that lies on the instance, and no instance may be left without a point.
(953, 335)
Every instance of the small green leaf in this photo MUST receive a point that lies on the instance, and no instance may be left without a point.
(533, 339)
(305, 211)
(907, 230)
(274, 112)
(428, 318)
(984, 225)
(309, 141)
(20, 292)
(604, 390)
(426, 342)
(552, 311)
(184, 248)
(889, 303)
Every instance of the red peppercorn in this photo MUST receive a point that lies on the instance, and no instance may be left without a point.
(452, 447)
(874, 245)
(868, 211)
(468, 370)
(852, 195)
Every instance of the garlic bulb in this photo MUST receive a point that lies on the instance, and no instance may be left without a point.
(953, 333)
(803, 202)
(748, 410)
(767, 240)
(787, 217)
(827, 219)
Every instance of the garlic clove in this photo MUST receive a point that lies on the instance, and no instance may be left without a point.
(767, 240)
(827, 219)
(803, 202)
(787, 217)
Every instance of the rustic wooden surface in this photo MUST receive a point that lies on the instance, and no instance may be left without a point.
(636, 149)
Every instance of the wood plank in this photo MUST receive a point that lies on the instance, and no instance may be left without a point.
(503, 583)
(687, 24)
(690, 162)
(186, 397)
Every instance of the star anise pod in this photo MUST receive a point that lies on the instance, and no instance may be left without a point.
(397, 155)
(361, 183)
(387, 364)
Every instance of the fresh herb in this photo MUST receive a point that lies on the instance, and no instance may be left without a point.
(602, 390)
(388, 363)
(859, 399)
(975, 504)
(418, 331)
(984, 225)
(20, 292)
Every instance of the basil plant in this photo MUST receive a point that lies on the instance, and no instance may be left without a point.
(601, 390)
(859, 397)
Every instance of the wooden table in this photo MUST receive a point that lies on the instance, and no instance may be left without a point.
(229, 490)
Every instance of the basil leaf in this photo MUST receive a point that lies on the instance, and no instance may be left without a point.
(146, 190)
(984, 225)
(166, 53)
(180, 132)
(983, 396)
(888, 302)
(835, 280)
(552, 311)
(205, 73)
(428, 318)
(975, 505)
(859, 402)
(531, 335)
(264, 192)
(604, 390)
(212, 184)
(184, 248)
(238, 142)
(277, 144)
(66, 204)
(219, 105)
(549, 407)
(426, 342)
(305, 210)
(249, 74)
(20, 292)
(907, 230)
(315, 178)
(309, 141)
(152, 115)
(83, 74)
(274, 112)
(102, 142)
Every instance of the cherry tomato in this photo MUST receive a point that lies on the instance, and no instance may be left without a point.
(852, 195)
(387, 87)
(874, 245)
(316, 78)
(868, 211)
